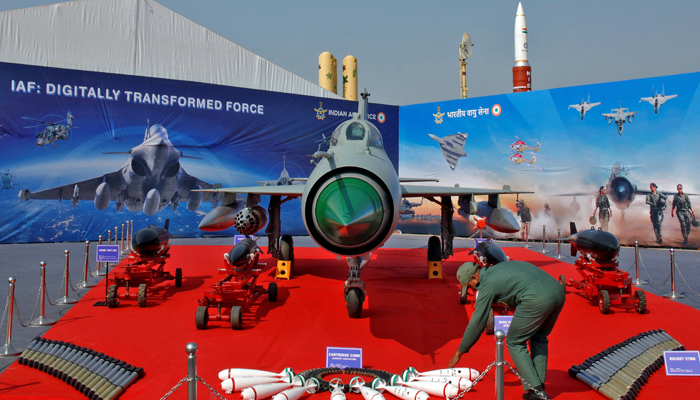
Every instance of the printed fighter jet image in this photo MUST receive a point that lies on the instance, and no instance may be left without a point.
(150, 180)
(53, 131)
(657, 99)
(350, 204)
(284, 178)
(452, 147)
(619, 115)
(583, 107)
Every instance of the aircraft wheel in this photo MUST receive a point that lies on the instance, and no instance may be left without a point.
(490, 323)
(434, 249)
(201, 318)
(272, 292)
(640, 302)
(463, 297)
(562, 281)
(287, 250)
(112, 296)
(142, 295)
(353, 301)
(178, 277)
(236, 318)
(604, 302)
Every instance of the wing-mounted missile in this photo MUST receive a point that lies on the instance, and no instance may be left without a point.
(223, 217)
(494, 216)
(595, 244)
(103, 196)
(195, 199)
(152, 241)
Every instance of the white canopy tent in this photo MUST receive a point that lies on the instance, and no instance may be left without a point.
(138, 37)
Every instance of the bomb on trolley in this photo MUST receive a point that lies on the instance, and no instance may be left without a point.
(233, 296)
(144, 266)
(601, 280)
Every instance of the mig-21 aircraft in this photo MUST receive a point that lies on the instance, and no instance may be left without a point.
(350, 204)
(150, 180)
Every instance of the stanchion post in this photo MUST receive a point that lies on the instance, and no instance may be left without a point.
(121, 245)
(8, 350)
(42, 320)
(99, 264)
(636, 280)
(192, 371)
(544, 238)
(109, 237)
(126, 246)
(559, 243)
(673, 295)
(499, 335)
(84, 284)
(66, 299)
(131, 234)
(116, 234)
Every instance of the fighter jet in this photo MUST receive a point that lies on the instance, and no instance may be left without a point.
(657, 99)
(452, 147)
(150, 180)
(583, 107)
(619, 115)
(284, 178)
(350, 203)
(53, 131)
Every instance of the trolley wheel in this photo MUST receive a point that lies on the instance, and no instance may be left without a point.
(640, 302)
(201, 318)
(490, 323)
(353, 301)
(112, 296)
(604, 302)
(272, 292)
(142, 295)
(178, 277)
(434, 249)
(236, 318)
(562, 281)
(287, 250)
(463, 297)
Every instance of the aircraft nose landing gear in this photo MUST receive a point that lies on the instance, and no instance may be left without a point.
(354, 289)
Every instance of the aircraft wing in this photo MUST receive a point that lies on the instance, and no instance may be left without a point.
(577, 106)
(662, 100)
(647, 99)
(626, 114)
(430, 191)
(590, 105)
(86, 189)
(609, 115)
(284, 190)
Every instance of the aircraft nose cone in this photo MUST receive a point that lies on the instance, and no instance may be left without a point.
(503, 221)
(349, 211)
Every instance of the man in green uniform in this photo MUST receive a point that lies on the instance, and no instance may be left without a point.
(525, 218)
(602, 203)
(657, 205)
(681, 203)
(537, 298)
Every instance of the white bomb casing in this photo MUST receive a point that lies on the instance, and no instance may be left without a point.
(407, 393)
(357, 385)
(468, 373)
(438, 389)
(295, 393)
(337, 389)
(460, 382)
(245, 372)
(259, 392)
(237, 384)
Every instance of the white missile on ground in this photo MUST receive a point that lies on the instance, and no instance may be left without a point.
(336, 385)
(439, 389)
(468, 373)
(259, 392)
(237, 384)
(460, 382)
(245, 372)
(402, 392)
(357, 385)
(295, 393)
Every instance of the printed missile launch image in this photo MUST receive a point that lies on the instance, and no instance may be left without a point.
(522, 74)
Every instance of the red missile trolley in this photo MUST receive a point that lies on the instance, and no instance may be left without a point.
(238, 290)
(605, 283)
(142, 271)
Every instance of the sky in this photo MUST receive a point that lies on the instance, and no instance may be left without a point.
(407, 51)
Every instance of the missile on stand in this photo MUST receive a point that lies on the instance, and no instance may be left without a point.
(598, 245)
(244, 372)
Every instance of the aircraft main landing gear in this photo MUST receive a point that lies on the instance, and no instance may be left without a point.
(354, 288)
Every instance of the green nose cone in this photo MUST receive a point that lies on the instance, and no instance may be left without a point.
(349, 211)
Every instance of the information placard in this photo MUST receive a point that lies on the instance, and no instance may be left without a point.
(682, 363)
(502, 322)
(343, 357)
(107, 253)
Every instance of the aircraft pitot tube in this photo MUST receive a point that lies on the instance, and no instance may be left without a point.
(357, 385)
(468, 373)
(402, 392)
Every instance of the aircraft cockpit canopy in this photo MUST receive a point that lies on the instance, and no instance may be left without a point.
(358, 131)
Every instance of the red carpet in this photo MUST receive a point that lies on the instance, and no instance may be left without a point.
(408, 320)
